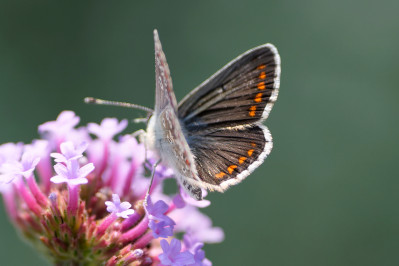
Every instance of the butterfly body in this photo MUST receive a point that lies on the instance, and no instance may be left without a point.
(165, 137)
(214, 137)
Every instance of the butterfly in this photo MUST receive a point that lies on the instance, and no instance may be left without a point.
(214, 138)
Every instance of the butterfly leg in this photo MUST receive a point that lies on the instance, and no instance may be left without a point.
(143, 119)
(139, 134)
(140, 120)
(152, 179)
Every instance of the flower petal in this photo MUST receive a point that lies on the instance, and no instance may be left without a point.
(59, 179)
(85, 170)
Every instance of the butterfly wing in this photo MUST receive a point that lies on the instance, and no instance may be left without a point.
(222, 118)
(170, 141)
(241, 93)
(164, 95)
(225, 157)
(176, 152)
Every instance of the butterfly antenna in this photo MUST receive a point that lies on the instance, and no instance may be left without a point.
(92, 100)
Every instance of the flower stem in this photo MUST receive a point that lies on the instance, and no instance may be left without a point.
(9, 203)
(129, 222)
(28, 198)
(105, 224)
(129, 178)
(144, 240)
(135, 232)
(34, 188)
(73, 200)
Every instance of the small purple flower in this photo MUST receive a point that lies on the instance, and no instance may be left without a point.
(69, 152)
(161, 229)
(197, 203)
(42, 148)
(121, 209)
(108, 128)
(199, 256)
(128, 147)
(71, 174)
(197, 224)
(39, 148)
(10, 152)
(14, 169)
(179, 201)
(65, 122)
(172, 256)
(157, 211)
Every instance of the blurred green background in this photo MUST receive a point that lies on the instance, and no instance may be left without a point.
(328, 193)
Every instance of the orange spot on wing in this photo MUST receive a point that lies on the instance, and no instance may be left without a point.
(250, 152)
(220, 175)
(261, 85)
(258, 97)
(231, 168)
(261, 67)
(242, 160)
(253, 144)
(262, 75)
(252, 111)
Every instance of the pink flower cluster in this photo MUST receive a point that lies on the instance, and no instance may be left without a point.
(78, 194)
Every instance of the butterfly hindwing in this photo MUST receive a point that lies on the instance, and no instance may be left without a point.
(224, 157)
(241, 93)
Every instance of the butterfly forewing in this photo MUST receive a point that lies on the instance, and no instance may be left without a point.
(170, 141)
(164, 95)
(241, 93)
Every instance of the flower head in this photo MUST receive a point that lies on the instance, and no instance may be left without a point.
(76, 223)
